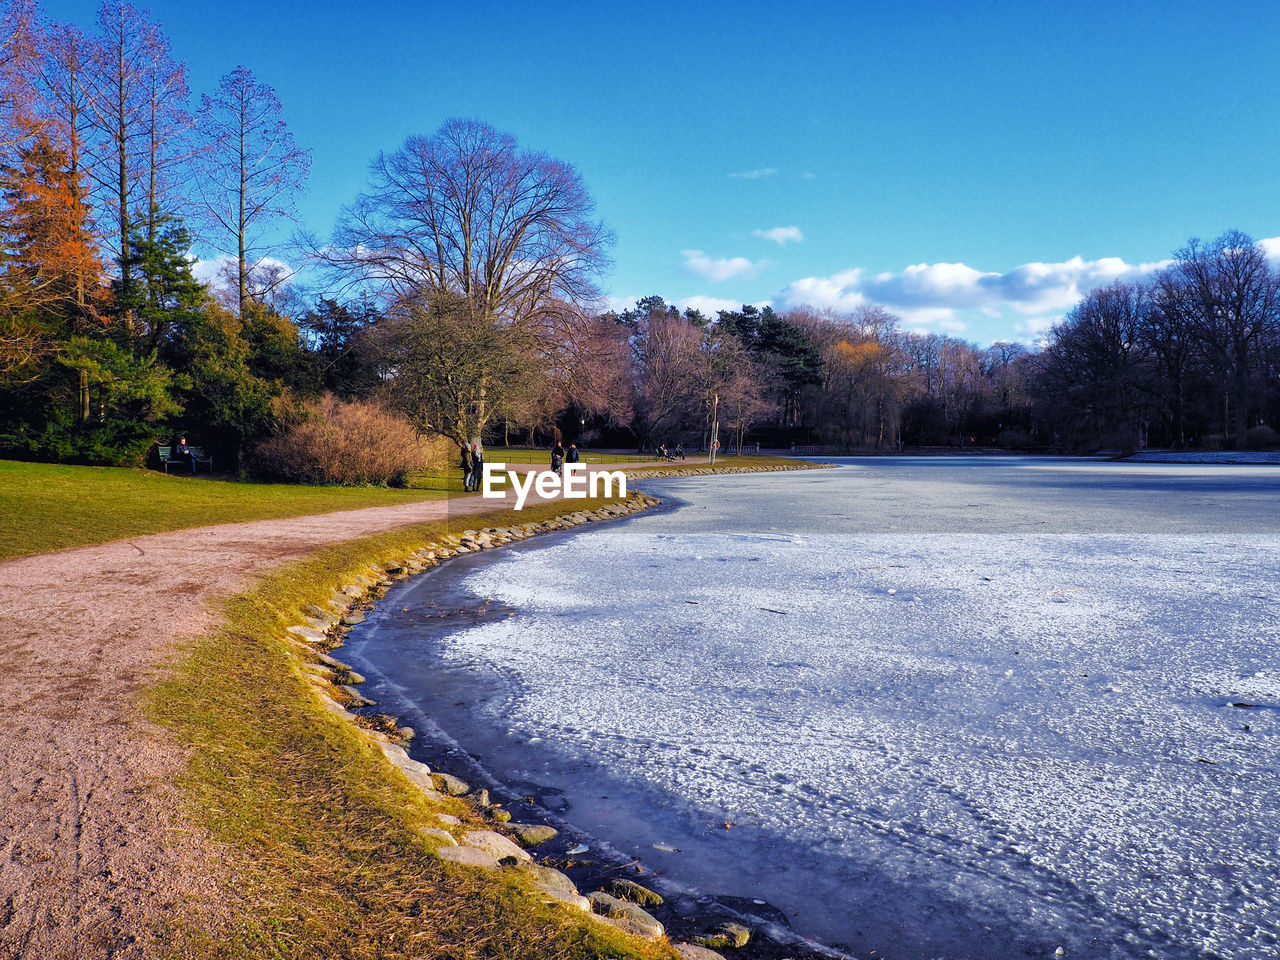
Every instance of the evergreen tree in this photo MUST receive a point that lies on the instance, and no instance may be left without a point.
(157, 295)
(227, 405)
(342, 343)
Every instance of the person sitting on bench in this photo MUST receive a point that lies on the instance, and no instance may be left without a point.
(182, 450)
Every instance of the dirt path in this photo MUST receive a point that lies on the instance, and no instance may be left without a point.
(95, 855)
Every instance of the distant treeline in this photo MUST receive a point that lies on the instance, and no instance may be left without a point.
(1189, 357)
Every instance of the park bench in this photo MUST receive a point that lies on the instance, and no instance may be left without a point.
(168, 457)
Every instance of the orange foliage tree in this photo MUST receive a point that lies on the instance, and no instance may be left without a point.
(51, 263)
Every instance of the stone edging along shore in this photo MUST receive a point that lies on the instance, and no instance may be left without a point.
(505, 845)
(325, 625)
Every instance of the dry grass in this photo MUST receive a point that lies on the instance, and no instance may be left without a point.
(318, 831)
(725, 464)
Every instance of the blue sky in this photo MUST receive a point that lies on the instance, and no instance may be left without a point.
(974, 166)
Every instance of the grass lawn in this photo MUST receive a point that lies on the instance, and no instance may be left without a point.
(543, 455)
(48, 507)
(540, 455)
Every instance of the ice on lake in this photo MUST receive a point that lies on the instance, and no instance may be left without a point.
(929, 708)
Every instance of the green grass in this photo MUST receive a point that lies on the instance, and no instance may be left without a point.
(723, 462)
(541, 455)
(48, 507)
(317, 833)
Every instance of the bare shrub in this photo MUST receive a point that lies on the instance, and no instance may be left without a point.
(1014, 439)
(340, 442)
(1262, 437)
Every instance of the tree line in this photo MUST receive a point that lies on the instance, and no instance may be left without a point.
(1191, 356)
(459, 293)
(107, 167)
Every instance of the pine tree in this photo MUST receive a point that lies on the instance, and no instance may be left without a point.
(156, 288)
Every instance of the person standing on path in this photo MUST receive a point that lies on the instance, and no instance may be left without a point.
(477, 466)
(572, 456)
(467, 467)
(557, 458)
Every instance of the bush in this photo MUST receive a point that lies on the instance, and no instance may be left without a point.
(1262, 437)
(62, 438)
(344, 443)
(1014, 439)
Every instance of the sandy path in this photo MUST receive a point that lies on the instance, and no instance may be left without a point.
(95, 855)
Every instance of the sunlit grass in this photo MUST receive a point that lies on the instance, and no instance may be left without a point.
(317, 834)
(543, 455)
(48, 506)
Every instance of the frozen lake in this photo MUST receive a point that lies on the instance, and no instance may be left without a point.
(948, 708)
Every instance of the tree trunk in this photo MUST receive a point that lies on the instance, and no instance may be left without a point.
(1242, 421)
(122, 184)
(240, 224)
(1226, 414)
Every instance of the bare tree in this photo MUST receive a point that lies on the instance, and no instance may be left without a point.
(466, 214)
(251, 170)
(667, 361)
(168, 123)
(18, 42)
(866, 374)
(64, 68)
(731, 374)
(1176, 371)
(122, 56)
(466, 211)
(1093, 365)
(591, 366)
(453, 367)
(1228, 296)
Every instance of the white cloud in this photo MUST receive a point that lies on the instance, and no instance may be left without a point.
(211, 271)
(780, 235)
(760, 174)
(932, 292)
(840, 291)
(1034, 331)
(709, 306)
(718, 270)
(222, 269)
(1022, 303)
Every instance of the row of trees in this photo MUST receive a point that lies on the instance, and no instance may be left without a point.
(106, 168)
(1193, 354)
(1190, 356)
